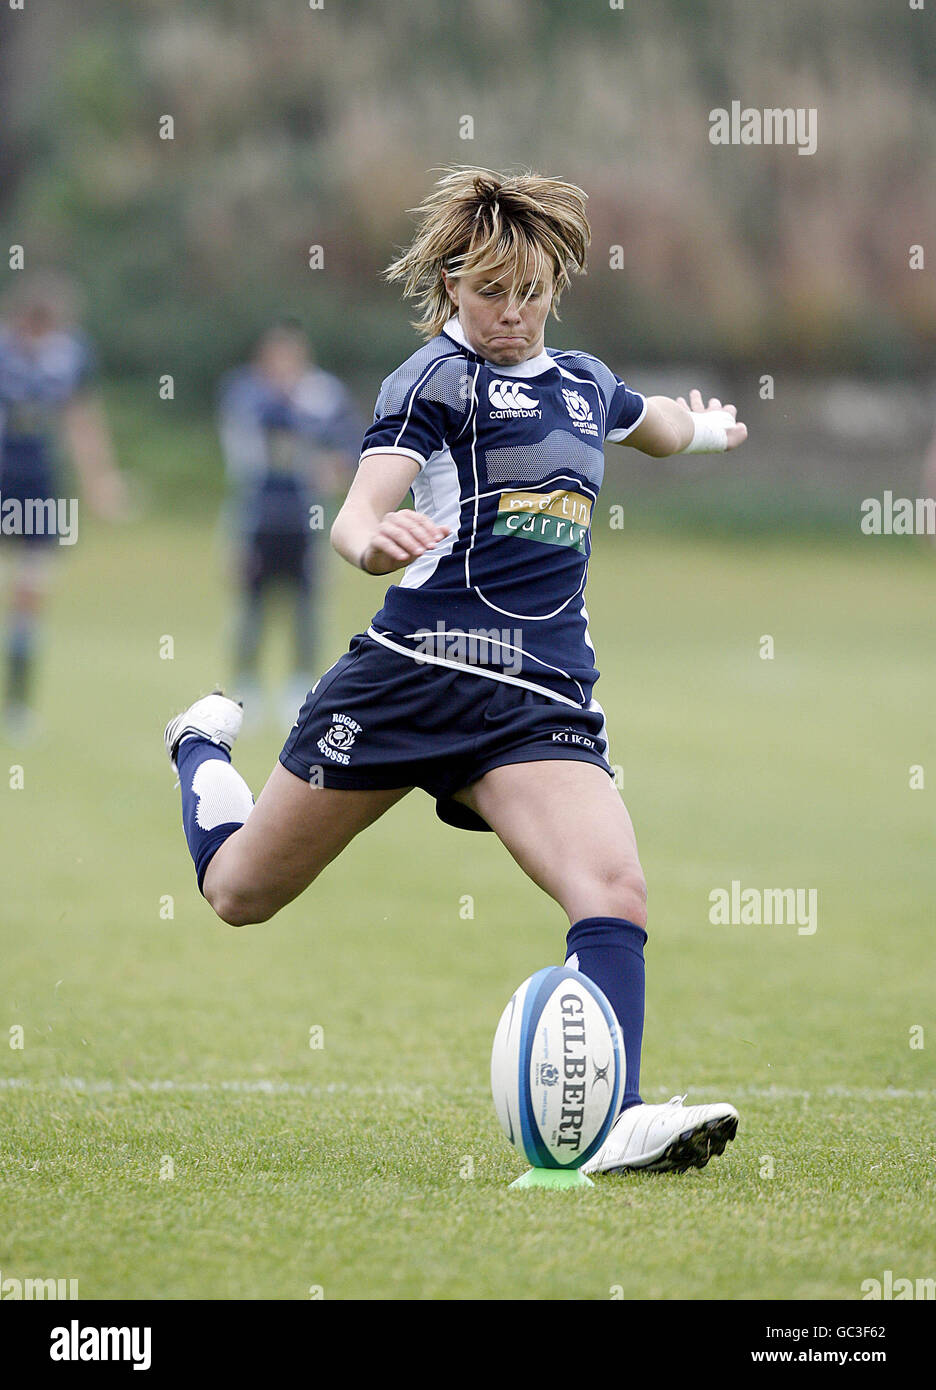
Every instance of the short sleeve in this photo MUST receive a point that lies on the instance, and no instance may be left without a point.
(415, 417)
(626, 409)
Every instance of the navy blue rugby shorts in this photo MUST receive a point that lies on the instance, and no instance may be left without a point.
(377, 719)
(268, 558)
(27, 475)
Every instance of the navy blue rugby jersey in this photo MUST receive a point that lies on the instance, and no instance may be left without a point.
(273, 441)
(511, 459)
(37, 380)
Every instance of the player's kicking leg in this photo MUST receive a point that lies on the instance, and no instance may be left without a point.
(251, 860)
(570, 832)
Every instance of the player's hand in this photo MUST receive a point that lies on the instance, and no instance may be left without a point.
(399, 539)
(736, 434)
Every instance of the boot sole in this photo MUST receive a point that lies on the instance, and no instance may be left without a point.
(691, 1149)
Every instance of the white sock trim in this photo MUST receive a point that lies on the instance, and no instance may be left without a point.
(223, 795)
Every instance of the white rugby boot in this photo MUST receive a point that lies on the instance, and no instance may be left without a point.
(213, 717)
(665, 1138)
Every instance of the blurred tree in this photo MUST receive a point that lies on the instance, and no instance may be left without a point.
(296, 127)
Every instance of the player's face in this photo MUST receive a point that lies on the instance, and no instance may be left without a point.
(283, 358)
(501, 329)
(35, 322)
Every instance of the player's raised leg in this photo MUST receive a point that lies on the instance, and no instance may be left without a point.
(292, 834)
(567, 828)
(251, 860)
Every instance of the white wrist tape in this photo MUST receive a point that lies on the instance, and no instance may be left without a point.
(709, 432)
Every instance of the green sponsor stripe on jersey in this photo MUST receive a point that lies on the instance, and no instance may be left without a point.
(541, 527)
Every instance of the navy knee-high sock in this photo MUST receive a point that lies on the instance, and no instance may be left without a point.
(21, 645)
(610, 951)
(215, 799)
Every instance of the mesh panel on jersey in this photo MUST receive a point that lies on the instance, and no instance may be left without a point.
(450, 384)
(531, 463)
(394, 392)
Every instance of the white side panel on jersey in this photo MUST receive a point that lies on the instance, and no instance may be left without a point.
(587, 635)
(436, 492)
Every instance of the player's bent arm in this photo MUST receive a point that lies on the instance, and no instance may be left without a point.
(369, 532)
(88, 440)
(676, 427)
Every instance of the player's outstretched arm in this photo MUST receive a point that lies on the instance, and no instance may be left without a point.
(369, 532)
(681, 427)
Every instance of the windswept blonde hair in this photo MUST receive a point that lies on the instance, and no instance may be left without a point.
(476, 221)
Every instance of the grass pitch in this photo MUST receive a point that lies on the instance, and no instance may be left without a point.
(168, 1131)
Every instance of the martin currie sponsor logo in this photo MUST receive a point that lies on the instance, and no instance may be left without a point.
(558, 518)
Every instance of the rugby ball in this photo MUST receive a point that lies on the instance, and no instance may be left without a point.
(557, 1068)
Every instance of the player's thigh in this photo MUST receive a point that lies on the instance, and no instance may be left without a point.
(293, 832)
(568, 829)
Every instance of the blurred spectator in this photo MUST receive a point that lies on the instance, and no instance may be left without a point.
(291, 438)
(46, 393)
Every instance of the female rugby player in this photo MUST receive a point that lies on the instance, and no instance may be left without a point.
(474, 680)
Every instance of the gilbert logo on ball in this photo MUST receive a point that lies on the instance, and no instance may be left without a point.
(557, 1068)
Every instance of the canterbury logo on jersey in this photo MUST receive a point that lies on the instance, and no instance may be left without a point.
(557, 518)
(509, 400)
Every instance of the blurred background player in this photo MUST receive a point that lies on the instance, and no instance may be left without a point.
(291, 437)
(46, 376)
